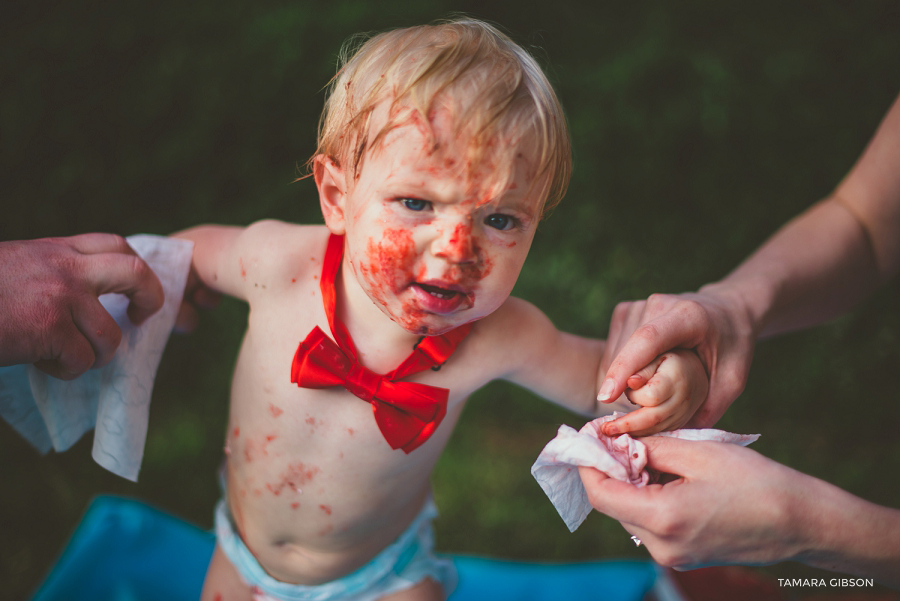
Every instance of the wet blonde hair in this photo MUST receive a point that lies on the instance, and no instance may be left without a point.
(500, 94)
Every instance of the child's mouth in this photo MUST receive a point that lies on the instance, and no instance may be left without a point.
(439, 299)
(443, 293)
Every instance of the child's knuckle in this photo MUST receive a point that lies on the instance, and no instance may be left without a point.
(649, 397)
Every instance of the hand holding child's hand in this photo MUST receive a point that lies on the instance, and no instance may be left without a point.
(669, 391)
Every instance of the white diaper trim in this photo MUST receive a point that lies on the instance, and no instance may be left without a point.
(401, 565)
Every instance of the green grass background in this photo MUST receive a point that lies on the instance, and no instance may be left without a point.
(698, 127)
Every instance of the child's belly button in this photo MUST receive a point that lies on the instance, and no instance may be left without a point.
(318, 561)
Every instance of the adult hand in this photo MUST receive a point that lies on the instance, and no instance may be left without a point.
(728, 505)
(716, 327)
(49, 311)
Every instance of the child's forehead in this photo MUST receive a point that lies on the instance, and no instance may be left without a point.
(439, 144)
(497, 94)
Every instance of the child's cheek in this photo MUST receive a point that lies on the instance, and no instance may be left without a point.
(504, 264)
(388, 264)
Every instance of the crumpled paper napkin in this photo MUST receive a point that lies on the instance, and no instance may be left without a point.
(115, 400)
(622, 457)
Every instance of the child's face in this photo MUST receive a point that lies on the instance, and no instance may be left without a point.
(433, 243)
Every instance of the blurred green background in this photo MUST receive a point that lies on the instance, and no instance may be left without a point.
(698, 127)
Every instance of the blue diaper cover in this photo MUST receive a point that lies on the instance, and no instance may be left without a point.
(401, 565)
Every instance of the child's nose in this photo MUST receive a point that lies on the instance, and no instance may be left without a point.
(457, 244)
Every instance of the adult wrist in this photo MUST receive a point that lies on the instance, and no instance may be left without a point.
(807, 507)
(746, 307)
(841, 532)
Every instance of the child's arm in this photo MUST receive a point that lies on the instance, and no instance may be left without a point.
(558, 366)
(212, 262)
(564, 368)
(243, 261)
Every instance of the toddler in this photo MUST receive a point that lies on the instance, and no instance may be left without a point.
(439, 148)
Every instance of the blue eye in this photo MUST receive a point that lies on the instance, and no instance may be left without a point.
(500, 221)
(415, 204)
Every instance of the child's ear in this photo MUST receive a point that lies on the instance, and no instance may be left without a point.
(332, 187)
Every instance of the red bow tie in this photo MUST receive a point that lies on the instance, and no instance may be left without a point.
(407, 413)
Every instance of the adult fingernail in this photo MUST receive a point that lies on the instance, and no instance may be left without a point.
(606, 390)
(610, 430)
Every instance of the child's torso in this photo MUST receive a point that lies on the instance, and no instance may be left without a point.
(314, 488)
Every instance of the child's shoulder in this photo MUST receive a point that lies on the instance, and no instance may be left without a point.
(514, 315)
(509, 331)
(272, 234)
(276, 251)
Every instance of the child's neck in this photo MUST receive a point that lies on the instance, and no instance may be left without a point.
(382, 345)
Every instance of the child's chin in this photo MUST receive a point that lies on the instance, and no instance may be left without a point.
(427, 327)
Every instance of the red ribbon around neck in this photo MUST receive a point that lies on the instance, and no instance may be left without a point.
(407, 413)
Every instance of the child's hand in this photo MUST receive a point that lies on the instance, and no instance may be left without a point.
(197, 295)
(669, 391)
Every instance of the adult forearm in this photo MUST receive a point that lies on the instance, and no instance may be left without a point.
(819, 265)
(844, 533)
(816, 267)
(834, 254)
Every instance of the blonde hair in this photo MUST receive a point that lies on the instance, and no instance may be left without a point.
(501, 93)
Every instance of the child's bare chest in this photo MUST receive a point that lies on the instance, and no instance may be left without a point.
(312, 464)
(282, 420)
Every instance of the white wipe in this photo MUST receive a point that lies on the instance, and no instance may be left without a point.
(52, 413)
(622, 457)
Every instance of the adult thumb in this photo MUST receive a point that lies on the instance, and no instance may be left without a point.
(673, 455)
(645, 345)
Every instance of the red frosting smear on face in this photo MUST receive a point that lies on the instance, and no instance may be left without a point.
(275, 411)
(411, 320)
(460, 243)
(390, 262)
(469, 263)
(389, 270)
